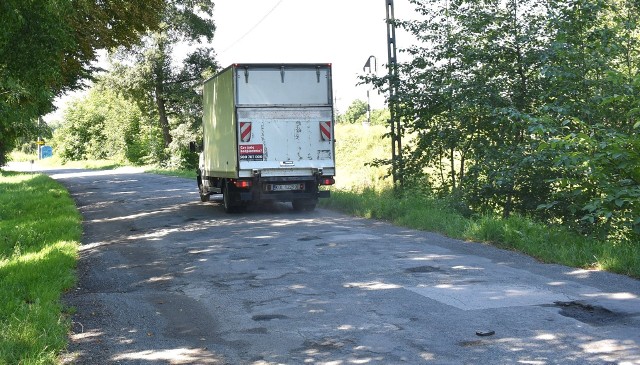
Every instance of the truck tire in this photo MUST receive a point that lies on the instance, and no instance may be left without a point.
(204, 197)
(228, 199)
(304, 205)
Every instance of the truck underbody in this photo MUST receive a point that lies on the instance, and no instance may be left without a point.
(302, 191)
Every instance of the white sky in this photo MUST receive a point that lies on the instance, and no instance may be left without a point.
(341, 32)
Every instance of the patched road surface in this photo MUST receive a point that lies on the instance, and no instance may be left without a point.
(166, 279)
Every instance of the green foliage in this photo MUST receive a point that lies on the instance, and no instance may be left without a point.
(147, 109)
(34, 37)
(20, 156)
(468, 97)
(40, 230)
(527, 107)
(180, 156)
(46, 48)
(166, 93)
(56, 162)
(380, 117)
(598, 185)
(362, 190)
(99, 126)
(588, 133)
(356, 113)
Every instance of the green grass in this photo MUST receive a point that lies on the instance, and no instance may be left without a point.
(55, 161)
(84, 164)
(190, 174)
(40, 230)
(22, 157)
(356, 147)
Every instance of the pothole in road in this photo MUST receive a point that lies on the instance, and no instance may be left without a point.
(309, 238)
(473, 343)
(589, 314)
(326, 344)
(423, 269)
(268, 317)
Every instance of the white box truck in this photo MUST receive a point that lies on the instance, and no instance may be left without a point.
(268, 135)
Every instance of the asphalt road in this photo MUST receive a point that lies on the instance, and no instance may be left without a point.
(166, 279)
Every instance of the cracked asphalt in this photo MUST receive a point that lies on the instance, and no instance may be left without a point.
(167, 279)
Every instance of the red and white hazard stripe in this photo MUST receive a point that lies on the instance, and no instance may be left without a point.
(325, 130)
(245, 131)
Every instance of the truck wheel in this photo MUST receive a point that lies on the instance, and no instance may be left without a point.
(307, 205)
(203, 196)
(227, 200)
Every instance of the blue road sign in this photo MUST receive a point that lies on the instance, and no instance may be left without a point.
(46, 151)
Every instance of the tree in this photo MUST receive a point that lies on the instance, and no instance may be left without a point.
(528, 107)
(380, 116)
(356, 112)
(169, 93)
(163, 87)
(99, 126)
(46, 48)
(591, 105)
(469, 94)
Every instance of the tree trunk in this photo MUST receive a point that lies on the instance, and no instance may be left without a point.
(441, 167)
(507, 206)
(462, 174)
(162, 117)
(3, 154)
(453, 169)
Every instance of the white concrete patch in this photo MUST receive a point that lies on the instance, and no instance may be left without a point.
(487, 295)
(195, 292)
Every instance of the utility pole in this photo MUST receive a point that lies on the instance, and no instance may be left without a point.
(394, 121)
(371, 71)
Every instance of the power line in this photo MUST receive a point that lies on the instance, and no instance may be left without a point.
(254, 27)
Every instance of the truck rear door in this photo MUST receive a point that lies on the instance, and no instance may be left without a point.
(285, 120)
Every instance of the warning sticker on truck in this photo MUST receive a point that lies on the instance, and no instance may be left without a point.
(251, 152)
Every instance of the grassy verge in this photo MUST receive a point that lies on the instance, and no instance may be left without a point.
(21, 156)
(56, 162)
(190, 174)
(548, 244)
(40, 230)
(362, 190)
(84, 164)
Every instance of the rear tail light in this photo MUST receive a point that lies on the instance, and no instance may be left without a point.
(242, 184)
(327, 181)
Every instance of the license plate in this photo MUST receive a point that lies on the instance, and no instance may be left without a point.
(287, 187)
